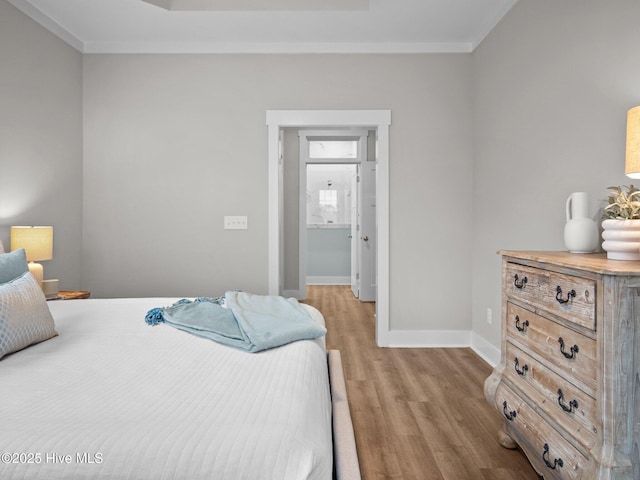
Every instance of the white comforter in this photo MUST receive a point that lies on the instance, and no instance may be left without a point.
(113, 398)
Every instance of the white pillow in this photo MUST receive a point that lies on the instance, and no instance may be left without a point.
(25, 318)
(1, 247)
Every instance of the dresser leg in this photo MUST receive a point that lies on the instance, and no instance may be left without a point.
(505, 440)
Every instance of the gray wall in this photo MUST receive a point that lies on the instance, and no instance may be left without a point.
(328, 252)
(175, 142)
(485, 148)
(291, 214)
(41, 139)
(552, 85)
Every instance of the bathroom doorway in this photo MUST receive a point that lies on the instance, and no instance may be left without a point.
(331, 204)
(337, 229)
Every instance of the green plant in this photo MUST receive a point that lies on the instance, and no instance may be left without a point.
(624, 203)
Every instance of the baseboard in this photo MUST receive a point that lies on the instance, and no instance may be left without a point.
(432, 338)
(443, 339)
(484, 349)
(328, 280)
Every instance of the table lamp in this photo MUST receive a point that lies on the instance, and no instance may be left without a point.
(38, 245)
(632, 162)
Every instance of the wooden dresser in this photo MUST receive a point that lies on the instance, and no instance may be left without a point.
(568, 383)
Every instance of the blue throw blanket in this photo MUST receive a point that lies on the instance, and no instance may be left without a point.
(249, 322)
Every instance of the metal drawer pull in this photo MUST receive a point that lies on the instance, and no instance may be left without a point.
(573, 404)
(524, 370)
(573, 349)
(507, 414)
(524, 325)
(560, 300)
(522, 283)
(556, 463)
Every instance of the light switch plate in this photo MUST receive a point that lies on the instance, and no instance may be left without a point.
(235, 222)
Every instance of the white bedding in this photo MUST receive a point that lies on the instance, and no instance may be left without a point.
(113, 398)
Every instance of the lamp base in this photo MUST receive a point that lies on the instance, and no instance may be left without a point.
(37, 271)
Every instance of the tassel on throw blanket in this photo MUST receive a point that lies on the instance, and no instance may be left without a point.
(250, 322)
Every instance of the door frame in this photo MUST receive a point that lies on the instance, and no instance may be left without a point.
(304, 137)
(378, 120)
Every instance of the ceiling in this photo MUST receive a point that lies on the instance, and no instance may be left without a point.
(268, 26)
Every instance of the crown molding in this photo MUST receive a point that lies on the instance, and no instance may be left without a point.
(261, 5)
(274, 48)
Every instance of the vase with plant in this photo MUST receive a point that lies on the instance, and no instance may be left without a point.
(621, 223)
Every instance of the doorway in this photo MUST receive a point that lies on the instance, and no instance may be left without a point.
(376, 120)
(336, 222)
(330, 203)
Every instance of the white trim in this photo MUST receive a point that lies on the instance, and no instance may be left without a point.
(252, 5)
(273, 209)
(328, 280)
(332, 134)
(487, 351)
(380, 120)
(270, 48)
(445, 339)
(382, 214)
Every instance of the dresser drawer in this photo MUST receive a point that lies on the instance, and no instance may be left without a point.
(562, 401)
(552, 454)
(563, 350)
(569, 297)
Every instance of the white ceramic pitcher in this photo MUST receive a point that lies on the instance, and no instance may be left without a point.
(580, 231)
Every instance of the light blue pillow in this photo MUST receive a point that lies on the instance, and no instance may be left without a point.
(12, 265)
(25, 318)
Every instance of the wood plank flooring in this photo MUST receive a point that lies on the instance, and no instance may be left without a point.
(417, 413)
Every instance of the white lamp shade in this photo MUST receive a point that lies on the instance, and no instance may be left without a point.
(632, 162)
(36, 241)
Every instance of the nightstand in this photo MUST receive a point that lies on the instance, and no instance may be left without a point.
(71, 295)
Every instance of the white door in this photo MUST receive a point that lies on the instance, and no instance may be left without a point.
(367, 233)
(355, 234)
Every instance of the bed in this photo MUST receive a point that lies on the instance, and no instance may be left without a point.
(110, 397)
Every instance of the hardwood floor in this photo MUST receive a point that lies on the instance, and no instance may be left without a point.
(417, 413)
